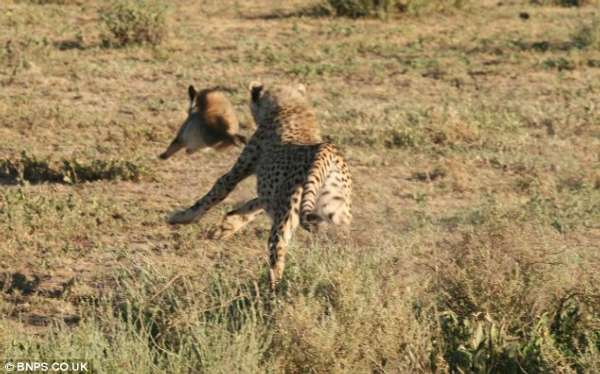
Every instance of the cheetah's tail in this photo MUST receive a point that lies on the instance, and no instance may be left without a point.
(327, 172)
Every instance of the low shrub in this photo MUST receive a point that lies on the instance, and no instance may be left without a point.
(131, 22)
(362, 8)
(588, 35)
(57, 2)
(33, 170)
(565, 3)
(370, 8)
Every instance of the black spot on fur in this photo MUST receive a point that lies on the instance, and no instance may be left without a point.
(256, 90)
(312, 217)
(191, 92)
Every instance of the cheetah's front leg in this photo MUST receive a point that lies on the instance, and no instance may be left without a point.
(242, 169)
(238, 218)
(183, 216)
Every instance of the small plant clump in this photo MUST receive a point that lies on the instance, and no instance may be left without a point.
(565, 3)
(76, 172)
(382, 8)
(362, 8)
(55, 2)
(33, 170)
(588, 35)
(133, 22)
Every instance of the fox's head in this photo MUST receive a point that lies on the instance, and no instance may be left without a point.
(210, 123)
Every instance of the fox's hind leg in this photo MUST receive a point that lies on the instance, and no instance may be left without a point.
(238, 218)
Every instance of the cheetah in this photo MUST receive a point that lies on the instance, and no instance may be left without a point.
(299, 181)
(305, 131)
(211, 123)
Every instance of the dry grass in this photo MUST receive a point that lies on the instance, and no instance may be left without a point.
(472, 137)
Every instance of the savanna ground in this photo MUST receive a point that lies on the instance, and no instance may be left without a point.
(473, 138)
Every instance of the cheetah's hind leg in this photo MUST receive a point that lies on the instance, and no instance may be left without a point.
(313, 222)
(285, 222)
(237, 219)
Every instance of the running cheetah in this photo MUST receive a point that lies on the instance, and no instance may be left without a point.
(298, 181)
(305, 130)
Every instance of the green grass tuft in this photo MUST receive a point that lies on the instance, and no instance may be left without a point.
(31, 169)
(383, 8)
(131, 22)
(587, 35)
(565, 3)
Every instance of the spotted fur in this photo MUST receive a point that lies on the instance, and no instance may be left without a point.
(300, 180)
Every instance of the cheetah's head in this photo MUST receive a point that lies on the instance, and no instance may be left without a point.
(267, 103)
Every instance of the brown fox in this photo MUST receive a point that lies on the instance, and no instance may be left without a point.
(211, 123)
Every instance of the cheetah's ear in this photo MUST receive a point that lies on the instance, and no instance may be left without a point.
(255, 90)
(191, 92)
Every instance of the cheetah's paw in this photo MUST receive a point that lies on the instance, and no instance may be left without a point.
(182, 217)
(311, 222)
(221, 232)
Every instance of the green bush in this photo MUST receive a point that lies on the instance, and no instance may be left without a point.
(135, 22)
(588, 35)
(370, 8)
(363, 8)
(429, 6)
(566, 3)
(31, 169)
(59, 2)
